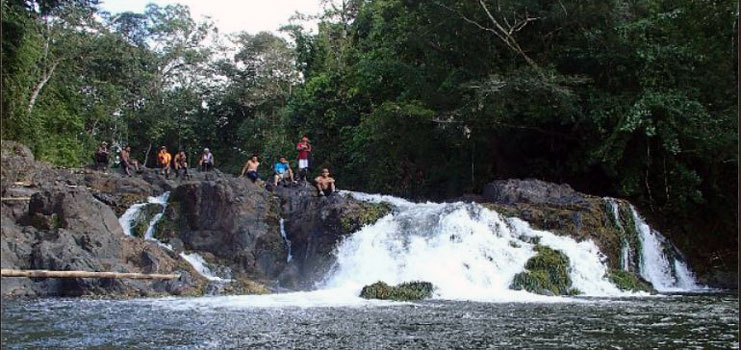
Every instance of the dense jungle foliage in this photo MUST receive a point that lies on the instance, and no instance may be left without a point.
(424, 99)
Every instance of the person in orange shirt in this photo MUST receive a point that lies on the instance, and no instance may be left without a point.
(163, 161)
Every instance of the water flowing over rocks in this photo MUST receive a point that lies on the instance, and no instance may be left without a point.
(225, 235)
(314, 225)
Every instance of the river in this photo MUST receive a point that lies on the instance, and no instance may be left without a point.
(290, 321)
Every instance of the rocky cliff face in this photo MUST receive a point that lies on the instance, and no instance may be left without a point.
(52, 220)
(67, 219)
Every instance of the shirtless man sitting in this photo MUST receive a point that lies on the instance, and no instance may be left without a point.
(127, 162)
(325, 183)
(251, 168)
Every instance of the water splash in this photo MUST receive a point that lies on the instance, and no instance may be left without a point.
(467, 251)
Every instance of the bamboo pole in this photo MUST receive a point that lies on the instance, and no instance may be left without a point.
(84, 274)
(6, 199)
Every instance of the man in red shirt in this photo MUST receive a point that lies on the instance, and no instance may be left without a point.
(304, 153)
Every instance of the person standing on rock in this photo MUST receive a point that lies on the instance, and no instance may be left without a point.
(163, 160)
(325, 183)
(207, 160)
(250, 168)
(304, 153)
(181, 162)
(282, 171)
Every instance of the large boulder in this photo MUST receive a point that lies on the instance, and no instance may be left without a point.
(52, 220)
(315, 225)
(234, 220)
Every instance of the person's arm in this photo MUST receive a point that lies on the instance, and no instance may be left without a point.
(331, 185)
(244, 168)
(316, 184)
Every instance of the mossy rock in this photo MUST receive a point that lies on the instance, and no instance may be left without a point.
(629, 281)
(167, 227)
(366, 214)
(547, 273)
(415, 290)
(145, 216)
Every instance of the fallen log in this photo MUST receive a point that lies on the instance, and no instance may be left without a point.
(84, 274)
(5, 199)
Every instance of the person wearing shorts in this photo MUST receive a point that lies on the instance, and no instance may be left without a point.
(283, 171)
(304, 153)
(325, 183)
(250, 169)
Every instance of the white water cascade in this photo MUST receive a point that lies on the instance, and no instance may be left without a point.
(131, 215)
(465, 250)
(285, 239)
(667, 274)
(128, 219)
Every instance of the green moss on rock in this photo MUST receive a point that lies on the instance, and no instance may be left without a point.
(167, 226)
(145, 216)
(367, 214)
(406, 291)
(547, 273)
(628, 281)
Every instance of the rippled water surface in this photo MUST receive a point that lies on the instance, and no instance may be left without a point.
(663, 322)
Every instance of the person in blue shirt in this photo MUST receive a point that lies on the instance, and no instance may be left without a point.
(283, 171)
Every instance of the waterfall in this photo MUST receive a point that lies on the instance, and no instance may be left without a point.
(132, 215)
(285, 239)
(626, 252)
(666, 273)
(200, 265)
(466, 250)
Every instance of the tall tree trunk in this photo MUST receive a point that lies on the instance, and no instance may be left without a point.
(146, 156)
(37, 89)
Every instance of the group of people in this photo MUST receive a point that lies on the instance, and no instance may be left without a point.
(165, 162)
(102, 156)
(324, 183)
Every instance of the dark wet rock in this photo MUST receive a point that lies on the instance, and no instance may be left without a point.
(234, 220)
(531, 191)
(407, 291)
(64, 226)
(315, 225)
